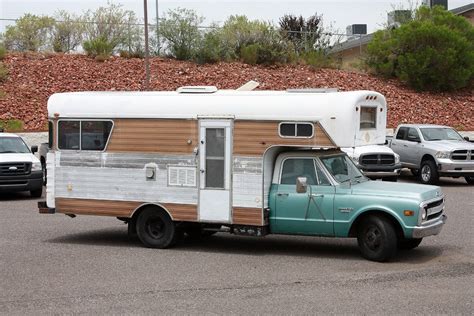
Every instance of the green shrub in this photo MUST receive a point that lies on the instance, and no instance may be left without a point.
(210, 49)
(12, 125)
(98, 47)
(3, 72)
(2, 94)
(317, 59)
(267, 53)
(3, 52)
(249, 54)
(435, 51)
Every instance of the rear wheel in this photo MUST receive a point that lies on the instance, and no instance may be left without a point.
(428, 172)
(377, 239)
(408, 244)
(469, 180)
(155, 229)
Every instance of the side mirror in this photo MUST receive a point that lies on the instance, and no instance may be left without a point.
(466, 138)
(301, 185)
(34, 149)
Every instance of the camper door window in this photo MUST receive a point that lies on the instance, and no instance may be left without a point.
(83, 135)
(368, 117)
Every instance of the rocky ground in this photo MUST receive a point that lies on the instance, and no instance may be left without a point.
(34, 77)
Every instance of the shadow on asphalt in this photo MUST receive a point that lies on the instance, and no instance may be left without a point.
(273, 245)
(18, 196)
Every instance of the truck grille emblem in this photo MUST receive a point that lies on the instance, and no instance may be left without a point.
(13, 168)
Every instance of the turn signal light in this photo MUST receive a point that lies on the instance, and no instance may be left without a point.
(408, 213)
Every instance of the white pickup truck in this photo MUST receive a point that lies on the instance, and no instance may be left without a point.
(376, 161)
(433, 151)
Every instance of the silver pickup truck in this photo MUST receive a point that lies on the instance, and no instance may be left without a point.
(433, 151)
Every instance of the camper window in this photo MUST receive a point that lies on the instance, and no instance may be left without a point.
(368, 117)
(296, 130)
(83, 135)
(50, 134)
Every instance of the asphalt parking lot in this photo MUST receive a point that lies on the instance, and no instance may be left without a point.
(56, 264)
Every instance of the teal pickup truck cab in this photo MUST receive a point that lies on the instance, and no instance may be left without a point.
(322, 193)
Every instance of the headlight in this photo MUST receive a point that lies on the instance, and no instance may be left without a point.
(443, 154)
(36, 166)
(397, 158)
(423, 214)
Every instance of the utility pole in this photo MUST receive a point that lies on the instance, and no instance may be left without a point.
(147, 61)
(157, 29)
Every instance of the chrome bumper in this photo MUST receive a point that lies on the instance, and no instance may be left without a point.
(429, 229)
(382, 174)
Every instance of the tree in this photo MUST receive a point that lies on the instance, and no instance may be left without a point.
(112, 25)
(30, 33)
(305, 34)
(66, 33)
(435, 51)
(180, 33)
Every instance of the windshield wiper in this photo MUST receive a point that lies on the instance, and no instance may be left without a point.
(8, 152)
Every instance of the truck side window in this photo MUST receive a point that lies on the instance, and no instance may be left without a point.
(413, 135)
(402, 132)
(298, 167)
(323, 180)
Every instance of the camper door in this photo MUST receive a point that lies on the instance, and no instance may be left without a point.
(215, 170)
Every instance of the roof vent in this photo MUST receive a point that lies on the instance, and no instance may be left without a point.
(197, 89)
(249, 86)
(312, 90)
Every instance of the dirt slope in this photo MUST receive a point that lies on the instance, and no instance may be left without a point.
(34, 77)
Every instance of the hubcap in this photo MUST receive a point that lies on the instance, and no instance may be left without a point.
(155, 228)
(426, 173)
(373, 238)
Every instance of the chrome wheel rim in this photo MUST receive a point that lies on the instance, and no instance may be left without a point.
(426, 173)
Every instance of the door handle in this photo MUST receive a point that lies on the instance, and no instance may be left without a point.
(202, 170)
(317, 195)
(405, 145)
(282, 194)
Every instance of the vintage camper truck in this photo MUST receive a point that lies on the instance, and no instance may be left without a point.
(201, 160)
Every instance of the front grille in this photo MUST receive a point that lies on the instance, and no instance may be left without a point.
(462, 155)
(15, 168)
(377, 159)
(434, 209)
(13, 182)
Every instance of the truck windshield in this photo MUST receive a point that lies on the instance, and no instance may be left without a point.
(13, 145)
(342, 169)
(440, 133)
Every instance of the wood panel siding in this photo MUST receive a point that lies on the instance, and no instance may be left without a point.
(153, 135)
(247, 216)
(179, 212)
(252, 138)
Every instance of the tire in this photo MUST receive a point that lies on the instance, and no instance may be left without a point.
(408, 244)
(390, 179)
(132, 229)
(469, 180)
(155, 229)
(377, 239)
(37, 193)
(428, 172)
(45, 172)
(415, 172)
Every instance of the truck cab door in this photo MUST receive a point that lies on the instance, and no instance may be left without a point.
(309, 213)
(413, 147)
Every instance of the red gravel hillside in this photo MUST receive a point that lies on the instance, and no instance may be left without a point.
(34, 77)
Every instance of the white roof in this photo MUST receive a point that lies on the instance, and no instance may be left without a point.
(8, 135)
(258, 105)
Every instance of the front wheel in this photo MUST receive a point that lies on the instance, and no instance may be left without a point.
(469, 180)
(155, 229)
(408, 244)
(428, 172)
(377, 239)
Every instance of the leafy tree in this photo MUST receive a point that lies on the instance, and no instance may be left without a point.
(435, 51)
(66, 33)
(30, 33)
(305, 34)
(180, 32)
(112, 25)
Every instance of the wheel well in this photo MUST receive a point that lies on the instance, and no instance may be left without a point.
(427, 157)
(388, 217)
(142, 207)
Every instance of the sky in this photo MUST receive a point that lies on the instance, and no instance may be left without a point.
(337, 14)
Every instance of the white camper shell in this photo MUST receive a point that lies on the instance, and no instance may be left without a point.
(202, 155)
